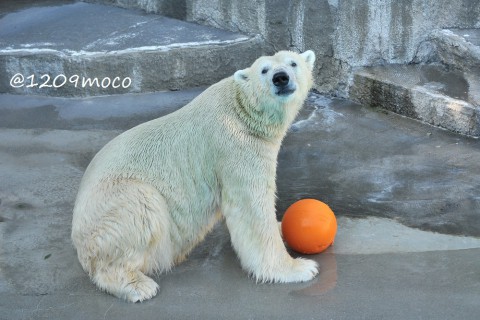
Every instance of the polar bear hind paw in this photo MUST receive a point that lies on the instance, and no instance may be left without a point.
(132, 286)
(141, 290)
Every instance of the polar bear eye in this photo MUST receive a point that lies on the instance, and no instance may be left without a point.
(264, 70)
(293, 64)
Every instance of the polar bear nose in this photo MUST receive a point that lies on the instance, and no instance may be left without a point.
(280, 79)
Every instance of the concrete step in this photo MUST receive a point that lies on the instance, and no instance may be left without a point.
(127, 51)
(430, 93)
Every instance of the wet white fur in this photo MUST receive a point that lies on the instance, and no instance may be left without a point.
(152, 193)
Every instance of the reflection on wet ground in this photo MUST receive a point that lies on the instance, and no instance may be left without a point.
(326, 279)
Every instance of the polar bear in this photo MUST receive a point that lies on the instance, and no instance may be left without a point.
(152, 193)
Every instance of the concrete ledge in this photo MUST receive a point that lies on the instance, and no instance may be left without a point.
(447, 99)
(128, 52)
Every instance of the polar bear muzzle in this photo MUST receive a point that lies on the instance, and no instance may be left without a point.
(281, 81)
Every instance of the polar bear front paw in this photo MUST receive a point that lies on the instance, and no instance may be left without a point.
(302, 270)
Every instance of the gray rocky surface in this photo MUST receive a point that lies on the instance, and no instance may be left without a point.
(344, 33)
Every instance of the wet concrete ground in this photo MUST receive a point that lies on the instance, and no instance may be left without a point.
(366, 162)
(406, 196)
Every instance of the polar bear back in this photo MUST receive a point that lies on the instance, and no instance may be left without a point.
(178, 154)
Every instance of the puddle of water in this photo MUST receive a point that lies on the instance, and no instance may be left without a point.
(326, 279)
(451, 83)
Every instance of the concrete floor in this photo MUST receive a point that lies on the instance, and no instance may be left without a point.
(406, 196)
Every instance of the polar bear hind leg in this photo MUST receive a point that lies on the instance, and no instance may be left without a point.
(129, 238)
(131, 285)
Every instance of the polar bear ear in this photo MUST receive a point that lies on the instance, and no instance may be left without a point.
(241, 76)
(309, 57)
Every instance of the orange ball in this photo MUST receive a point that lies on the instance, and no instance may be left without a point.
(309, 226)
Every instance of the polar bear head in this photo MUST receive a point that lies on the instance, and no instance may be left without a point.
(276, 86)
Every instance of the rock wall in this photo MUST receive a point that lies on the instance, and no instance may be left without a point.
(344, 33)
